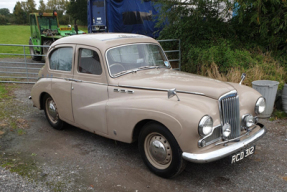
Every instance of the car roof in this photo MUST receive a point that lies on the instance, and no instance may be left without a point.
(104, 41)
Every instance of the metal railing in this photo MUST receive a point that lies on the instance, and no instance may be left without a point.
(174, 55)
(23, 69)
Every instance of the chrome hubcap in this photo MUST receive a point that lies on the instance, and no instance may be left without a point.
(52, 110)
(158, 150)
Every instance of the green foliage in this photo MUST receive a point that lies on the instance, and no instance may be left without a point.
(19, 14)
(3, 20)
(5, 12)
(266, 22)
(42, 6)
(210, 37)
(78, 10)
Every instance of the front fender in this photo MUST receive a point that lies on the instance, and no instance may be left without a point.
(180, 117)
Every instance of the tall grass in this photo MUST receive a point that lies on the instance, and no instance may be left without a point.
(266, 69)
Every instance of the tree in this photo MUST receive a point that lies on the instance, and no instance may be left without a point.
(42, 6)
(266, 21)
(5, 12)
(31, 6)
(61, 7)
(19, 14)
(78, 10)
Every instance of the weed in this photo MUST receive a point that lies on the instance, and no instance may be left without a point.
(21, 131)
(278, 114)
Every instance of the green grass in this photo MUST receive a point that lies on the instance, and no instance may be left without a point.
(14, 34)
(17, 34)
(4, 92)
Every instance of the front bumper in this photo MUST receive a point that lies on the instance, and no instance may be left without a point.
(223, 152)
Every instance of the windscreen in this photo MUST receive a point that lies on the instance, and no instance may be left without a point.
(135, 56)
(47, 23)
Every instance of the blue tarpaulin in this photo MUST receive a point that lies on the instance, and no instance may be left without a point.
(127, 16)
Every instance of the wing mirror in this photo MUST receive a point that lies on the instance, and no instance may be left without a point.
(171, 93)
(242, 78)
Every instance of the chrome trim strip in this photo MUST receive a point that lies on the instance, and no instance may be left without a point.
(75, 80)
(213, 128)
(223, 152)
(158, 89)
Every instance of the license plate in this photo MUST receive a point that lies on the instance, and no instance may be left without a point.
(242, 154)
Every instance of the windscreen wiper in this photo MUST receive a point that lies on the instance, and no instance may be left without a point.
(147, 67)
(124, 72)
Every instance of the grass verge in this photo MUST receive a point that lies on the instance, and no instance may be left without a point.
(10, 120)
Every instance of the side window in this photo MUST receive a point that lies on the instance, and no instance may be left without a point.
(61, 59)
(89, 62)
(33, 26)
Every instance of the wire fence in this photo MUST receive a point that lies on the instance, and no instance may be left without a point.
(20, 68)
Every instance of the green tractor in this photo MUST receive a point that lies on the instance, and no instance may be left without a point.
(45, 29)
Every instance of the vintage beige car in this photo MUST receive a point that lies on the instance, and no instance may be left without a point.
(121, 86)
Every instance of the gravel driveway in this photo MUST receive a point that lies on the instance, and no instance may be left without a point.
(44, 159)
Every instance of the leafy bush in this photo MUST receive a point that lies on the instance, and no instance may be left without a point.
(3, 20)
(254, 42)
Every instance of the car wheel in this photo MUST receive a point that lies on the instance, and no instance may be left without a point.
(51, 113)
(32, 53)
(160, 151)
(45, 49)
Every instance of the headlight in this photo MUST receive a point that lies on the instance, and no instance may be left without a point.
(260, 105)
(205, 125)
(247, 121)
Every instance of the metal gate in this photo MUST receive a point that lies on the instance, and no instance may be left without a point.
(18, 67)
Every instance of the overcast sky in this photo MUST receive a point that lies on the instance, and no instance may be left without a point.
(10, 4)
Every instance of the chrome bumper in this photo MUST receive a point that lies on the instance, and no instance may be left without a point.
(223, 152)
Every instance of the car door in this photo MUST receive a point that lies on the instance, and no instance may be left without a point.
(89, 90)
(61, 65)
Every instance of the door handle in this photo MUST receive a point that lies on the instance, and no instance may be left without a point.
(75, 80)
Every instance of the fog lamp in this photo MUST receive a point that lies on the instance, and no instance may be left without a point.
(247, 121)
(226, 130)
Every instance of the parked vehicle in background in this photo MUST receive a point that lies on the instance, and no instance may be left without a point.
(123, 16)
(122, 86)
(45, 29)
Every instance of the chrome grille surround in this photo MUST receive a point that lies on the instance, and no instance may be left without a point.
(229, 112)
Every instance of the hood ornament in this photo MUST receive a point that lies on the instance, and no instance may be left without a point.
(242, 78)
(171, 93)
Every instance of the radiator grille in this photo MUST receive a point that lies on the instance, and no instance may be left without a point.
(229, 107)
